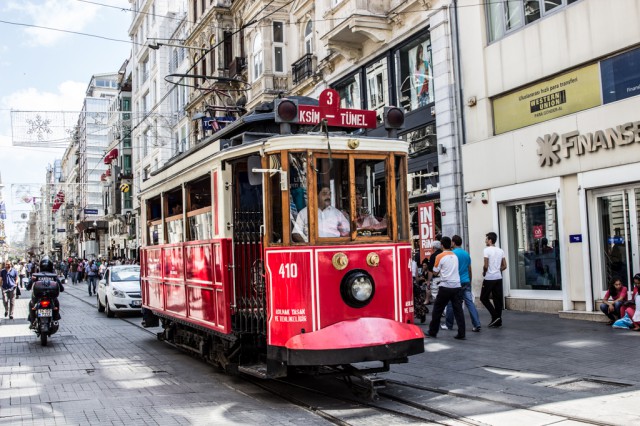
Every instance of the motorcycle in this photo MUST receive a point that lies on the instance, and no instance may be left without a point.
(45, 293)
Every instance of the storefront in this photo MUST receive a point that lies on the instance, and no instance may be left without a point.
(560, 184)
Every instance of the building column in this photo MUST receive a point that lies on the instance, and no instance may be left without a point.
(447, 126)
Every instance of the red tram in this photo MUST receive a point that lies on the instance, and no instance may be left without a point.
(266, 251)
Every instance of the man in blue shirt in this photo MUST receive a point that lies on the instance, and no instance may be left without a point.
(464, 269)
(9, 284)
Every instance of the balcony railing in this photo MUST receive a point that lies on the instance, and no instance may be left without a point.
(237, 66)
(302, 68)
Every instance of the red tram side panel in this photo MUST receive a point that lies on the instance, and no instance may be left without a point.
(190, 281)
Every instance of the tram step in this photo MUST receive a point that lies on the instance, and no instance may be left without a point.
(256, 370)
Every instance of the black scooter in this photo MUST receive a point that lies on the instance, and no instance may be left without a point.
(45, 292)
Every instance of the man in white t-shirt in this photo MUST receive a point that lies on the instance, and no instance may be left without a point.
(449, 290)
(494, 264)
(331, 221)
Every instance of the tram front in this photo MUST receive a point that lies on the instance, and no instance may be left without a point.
(337, 252)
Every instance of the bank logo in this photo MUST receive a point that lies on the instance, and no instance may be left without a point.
(547, 150)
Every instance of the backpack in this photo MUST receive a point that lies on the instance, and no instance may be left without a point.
(80, 267)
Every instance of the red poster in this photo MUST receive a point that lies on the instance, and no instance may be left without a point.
(427, 228)
(538, 231)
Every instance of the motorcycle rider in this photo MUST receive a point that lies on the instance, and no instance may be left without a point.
(46, 273)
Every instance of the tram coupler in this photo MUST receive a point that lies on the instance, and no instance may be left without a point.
(367, 381)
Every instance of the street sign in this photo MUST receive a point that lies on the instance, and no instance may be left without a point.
(575, 238)
(329, 108)
(90, 211)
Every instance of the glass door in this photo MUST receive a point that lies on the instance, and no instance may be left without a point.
(618, 245)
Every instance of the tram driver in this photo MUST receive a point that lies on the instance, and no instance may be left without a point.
(331, 221)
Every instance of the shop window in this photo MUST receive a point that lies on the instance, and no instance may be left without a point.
(349, 91)
(377, 78)
(534, 247)
(415, 79)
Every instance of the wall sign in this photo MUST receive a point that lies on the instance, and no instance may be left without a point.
(621, 76)
(571, 92)
(553, 147)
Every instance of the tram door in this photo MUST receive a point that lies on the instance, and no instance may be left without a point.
(250, 312)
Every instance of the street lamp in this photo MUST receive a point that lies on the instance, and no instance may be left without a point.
(156, 46)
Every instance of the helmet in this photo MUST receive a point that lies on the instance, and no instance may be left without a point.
(46, 265)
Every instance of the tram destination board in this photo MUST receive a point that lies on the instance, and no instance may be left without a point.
(329, 108)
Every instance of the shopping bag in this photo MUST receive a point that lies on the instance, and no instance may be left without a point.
(624, 322)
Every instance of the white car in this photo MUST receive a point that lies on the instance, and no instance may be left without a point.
(119, 290)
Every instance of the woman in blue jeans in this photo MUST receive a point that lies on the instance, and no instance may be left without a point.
(618, 295)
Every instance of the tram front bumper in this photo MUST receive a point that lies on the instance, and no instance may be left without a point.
(352, 341)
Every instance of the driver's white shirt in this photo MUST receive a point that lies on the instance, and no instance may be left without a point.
(330, 222)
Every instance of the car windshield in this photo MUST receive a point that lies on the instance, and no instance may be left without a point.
(125, 274)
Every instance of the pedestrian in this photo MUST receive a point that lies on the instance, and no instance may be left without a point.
(73, 270)
(29, 268)
(80, 271)
(446, 266)
(9, 286)
(464, 269)
(494, 264)
(92, 274)
(614, 299)
(433, 279)
(22, 272)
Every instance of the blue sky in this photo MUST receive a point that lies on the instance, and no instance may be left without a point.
(47, 70)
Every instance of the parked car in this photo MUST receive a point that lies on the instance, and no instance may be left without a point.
(119, 290)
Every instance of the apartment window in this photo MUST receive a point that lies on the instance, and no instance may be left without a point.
(212, 54)
(308, 37)
(257, 57)
(126, 164)
(196, 83)
(145, 70)
(504, 16)
(278, 46)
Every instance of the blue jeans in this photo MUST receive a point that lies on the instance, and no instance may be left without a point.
(467, 297)
(92, 284)
(616, 310)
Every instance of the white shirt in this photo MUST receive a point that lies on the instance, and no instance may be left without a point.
(495, 256)
(447, 266)
(331, 223)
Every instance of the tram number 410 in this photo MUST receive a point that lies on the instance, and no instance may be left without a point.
(288, 270)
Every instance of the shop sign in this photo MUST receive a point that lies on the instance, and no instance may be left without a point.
(553, 147)
(568, 93)
(575, 238)
(427, 228)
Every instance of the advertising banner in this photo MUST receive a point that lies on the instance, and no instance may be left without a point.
(570, 92)
(427, 228)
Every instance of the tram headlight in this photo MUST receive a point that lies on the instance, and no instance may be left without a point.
(357, 288)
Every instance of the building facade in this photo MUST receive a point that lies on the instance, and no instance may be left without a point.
(551, 159)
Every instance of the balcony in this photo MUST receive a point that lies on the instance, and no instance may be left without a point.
(303, 68)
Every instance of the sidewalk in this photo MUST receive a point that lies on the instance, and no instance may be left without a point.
(573, 367)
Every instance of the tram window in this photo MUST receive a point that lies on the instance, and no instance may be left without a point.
(333, 198)
(371, 197)
(174, 231)
(275, 199)
(402, 214)
(199, 194)
(201, 226)
(298, 193)
(155, 233)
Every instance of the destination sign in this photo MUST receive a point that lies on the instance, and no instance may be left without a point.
(329, 108)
